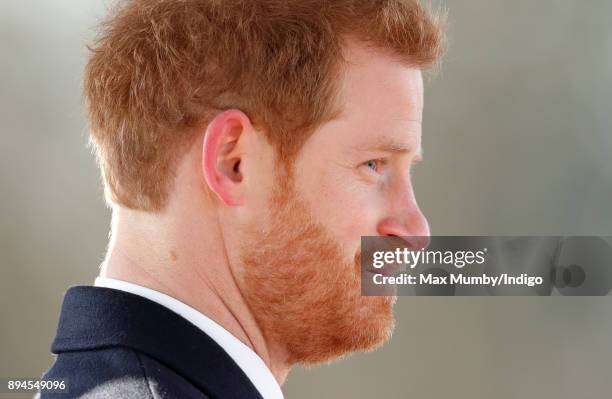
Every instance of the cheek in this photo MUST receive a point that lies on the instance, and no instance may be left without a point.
(362, 210)
(347, 207)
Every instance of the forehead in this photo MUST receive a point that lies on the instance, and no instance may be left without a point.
(380, 100)
(375, 85)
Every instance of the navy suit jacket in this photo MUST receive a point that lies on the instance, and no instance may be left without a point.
(114, 344)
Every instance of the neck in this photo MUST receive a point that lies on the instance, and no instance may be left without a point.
(157, 252)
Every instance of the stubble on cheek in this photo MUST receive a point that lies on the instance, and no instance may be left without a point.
(304, 293)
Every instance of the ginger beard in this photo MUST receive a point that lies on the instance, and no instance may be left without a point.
(303, 292)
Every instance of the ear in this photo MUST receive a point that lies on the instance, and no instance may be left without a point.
(222, 153)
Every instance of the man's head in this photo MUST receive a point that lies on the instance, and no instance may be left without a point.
(294, 123)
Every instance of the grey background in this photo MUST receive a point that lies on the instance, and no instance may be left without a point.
(517, 141)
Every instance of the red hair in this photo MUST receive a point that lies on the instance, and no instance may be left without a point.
(159, 68)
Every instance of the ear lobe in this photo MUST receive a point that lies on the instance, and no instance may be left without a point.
(221, 156)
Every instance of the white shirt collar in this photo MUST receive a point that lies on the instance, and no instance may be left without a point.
(252, 365)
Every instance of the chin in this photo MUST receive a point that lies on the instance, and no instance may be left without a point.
(368, 328)
(378, 324)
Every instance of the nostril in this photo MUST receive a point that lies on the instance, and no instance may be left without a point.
(412, 233)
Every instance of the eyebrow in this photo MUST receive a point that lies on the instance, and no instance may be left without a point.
(387, 144)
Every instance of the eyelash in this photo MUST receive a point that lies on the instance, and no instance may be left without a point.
(378, 162)
(382, 163)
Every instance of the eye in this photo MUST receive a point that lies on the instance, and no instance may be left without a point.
(376, 165)
(372, 164)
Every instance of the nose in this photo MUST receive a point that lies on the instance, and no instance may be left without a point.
(406, 221)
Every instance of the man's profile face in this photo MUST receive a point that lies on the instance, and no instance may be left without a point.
(351, 179)
(354, 172)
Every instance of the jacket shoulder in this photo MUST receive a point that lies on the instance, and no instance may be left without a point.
(117, 372)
